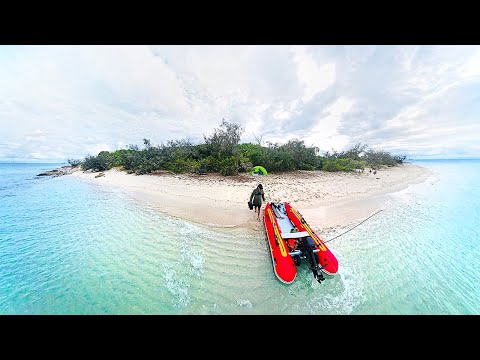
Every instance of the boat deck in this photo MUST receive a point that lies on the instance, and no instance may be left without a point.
(283, 221)
(286, 226)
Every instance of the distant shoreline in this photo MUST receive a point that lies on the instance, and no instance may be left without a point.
(326, 199)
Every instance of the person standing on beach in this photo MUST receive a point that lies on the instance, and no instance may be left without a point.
(256, 199)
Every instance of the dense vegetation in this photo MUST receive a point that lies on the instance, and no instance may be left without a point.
(223, 153)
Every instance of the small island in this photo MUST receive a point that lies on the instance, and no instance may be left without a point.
(210, 183)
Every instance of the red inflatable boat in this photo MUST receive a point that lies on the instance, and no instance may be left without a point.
(291, 239)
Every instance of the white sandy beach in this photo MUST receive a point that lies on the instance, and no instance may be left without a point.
(325, 199)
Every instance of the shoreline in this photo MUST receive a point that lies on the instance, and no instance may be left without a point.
(326, 200)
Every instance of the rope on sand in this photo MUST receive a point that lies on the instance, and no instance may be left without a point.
(374, 213)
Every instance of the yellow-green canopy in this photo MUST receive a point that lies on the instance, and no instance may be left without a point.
(259, 170)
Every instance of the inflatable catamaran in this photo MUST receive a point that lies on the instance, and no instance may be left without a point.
(291, 239)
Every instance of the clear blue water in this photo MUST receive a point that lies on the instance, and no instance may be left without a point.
(71, 247)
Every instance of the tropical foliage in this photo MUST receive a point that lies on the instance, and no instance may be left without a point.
(222, 153)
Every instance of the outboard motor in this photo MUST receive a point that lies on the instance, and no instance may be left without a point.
(307, 246)
(297, 260)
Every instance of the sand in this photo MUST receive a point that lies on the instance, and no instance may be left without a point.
(325, 199)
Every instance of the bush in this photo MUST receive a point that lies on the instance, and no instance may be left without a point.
(117, 157)
(341, 165)
(228, 166)
(400, 158)
(223, 153)
(103, 161)
(252, 153)
(74, 162)
(183, 166)
(245, 165)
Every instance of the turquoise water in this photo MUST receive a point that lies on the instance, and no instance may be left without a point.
(70, 247)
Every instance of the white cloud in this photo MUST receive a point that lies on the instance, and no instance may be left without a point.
(67, 101)
(472, 66)
(313, 76)
(95, 149)
(325, 133)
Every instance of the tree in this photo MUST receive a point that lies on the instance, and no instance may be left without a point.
(223, 144)
(147, 144)
(259, 139)
(103, 161)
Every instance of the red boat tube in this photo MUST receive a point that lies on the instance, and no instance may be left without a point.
(283, 264)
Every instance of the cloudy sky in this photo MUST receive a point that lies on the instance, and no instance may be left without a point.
(60, 102)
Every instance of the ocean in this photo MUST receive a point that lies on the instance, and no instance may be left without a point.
(72, 247)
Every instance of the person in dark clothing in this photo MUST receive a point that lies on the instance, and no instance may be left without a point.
(256, 199)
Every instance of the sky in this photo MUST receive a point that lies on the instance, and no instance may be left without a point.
(62, 102)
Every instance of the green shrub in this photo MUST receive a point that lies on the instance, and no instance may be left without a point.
(103, 161)
(223, 153)
(228, 166)
(74, 162)
(183, 166)
(341, 165)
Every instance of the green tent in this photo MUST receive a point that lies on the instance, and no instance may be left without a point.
(260, 170)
